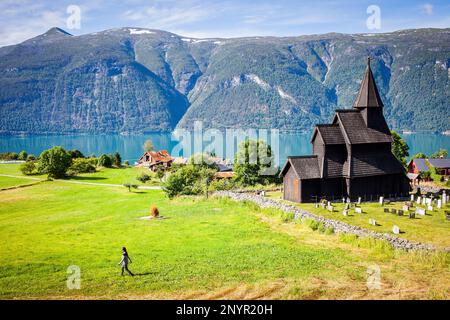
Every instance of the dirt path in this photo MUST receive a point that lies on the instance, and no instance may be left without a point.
(81, 182)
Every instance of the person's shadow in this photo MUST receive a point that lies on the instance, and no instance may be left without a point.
(144, 274)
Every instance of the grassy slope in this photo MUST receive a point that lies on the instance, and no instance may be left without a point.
(203, 249)
(103, 175)
(432, 228)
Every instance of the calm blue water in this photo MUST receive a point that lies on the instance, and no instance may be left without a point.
(130, 147)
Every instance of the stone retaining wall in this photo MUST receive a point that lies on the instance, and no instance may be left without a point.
(338, 226)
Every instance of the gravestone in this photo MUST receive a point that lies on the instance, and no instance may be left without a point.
(418, 200)
(386, 210)
(412, 215)
(412, 197)
(359, 200)
(347, 206)
(263, 193)
(400, 212)
(323, 205)
(439, 204)
(430, 208)
(424, 201)
(409, 203)
(405, 208)
(420, 211)
(394, 211)
(316, 205)
(396, 230)
(358, 210)
(345, 213)
(447, 215)
(373, 222)
(343, 200)
(444, 198)
(381, 201)
(348, 200)
(429, 201)
(330, 208)
(387, 201)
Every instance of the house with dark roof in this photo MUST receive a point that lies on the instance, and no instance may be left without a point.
(351, 156)
(417, 166)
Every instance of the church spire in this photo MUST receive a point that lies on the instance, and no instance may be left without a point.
(368, 95)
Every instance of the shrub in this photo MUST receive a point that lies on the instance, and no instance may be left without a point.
(143, 178)
(28, 168)
(313, 224)
(126, 163)
(75, 154)
(31, 157)
(105, 160)
(188, 180)
(287, 216)
(154, 211)
(54, 162)
(80, 165)
(130, 186)
(321, 227)
(9, 156)
(222, 184)
(329, 231)
(22, 155)
(117, 161)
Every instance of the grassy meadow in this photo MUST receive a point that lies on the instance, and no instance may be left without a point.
(200, 248)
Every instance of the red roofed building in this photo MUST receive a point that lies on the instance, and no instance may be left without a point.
(152, 159)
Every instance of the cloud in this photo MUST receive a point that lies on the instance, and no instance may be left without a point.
(427, 8)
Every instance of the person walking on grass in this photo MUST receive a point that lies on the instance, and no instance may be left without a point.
(124, 261)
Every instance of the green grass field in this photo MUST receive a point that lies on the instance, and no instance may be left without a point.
(431, 228)
(102, 175)
(202, 248)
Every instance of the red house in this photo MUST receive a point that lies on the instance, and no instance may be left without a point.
(152, 159)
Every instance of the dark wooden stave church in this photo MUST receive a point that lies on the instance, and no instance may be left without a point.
(352, 156)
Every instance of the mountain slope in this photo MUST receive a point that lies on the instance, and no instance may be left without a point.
(140, 80)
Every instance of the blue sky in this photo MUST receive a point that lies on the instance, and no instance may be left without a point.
(23, 19)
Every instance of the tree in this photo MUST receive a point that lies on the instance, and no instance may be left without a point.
(252, 158)
(126, 163)
(54, 162)
(129, 186)
(160, 172)
(28, 167)
(22, 155)
(399, 148)
(188, 180)
(75, 154)
(148, 145)
(80, 165)
(441, 154)
(117, 160)
(105, 160)
(420, 155)
(143, 178)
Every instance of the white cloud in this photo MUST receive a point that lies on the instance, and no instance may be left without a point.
(427, 8)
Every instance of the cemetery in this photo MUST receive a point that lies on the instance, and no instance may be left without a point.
(423, 219)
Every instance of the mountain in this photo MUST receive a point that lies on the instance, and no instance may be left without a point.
(134, 80)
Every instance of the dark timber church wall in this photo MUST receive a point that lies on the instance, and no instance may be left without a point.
(383, 185)
(291, 186)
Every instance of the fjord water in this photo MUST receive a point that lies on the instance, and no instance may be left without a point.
(130, 147)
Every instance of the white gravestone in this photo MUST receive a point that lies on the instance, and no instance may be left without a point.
(439, 204)
(420, 211)
(405, 208)
(396, 230)
(358, 210)
(418, 200)
(424, 201)
(345, 213)
(373, 222)
(381, 200)
(430, 208)
(412, 198)
(343, 200)
(330, 208)
(359, 200)
(429, 201)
